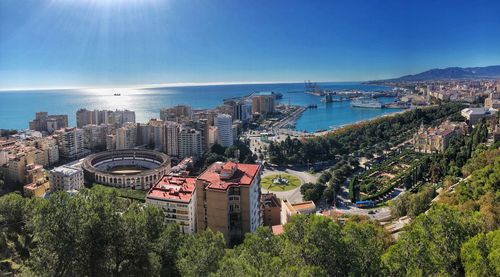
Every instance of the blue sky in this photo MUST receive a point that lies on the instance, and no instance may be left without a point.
(71, 43)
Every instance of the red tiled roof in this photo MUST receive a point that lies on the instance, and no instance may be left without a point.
(242, 176)
(173, 188)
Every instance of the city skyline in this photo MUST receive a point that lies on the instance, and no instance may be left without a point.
(123, 43)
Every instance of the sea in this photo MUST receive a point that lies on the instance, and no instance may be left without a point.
(18, 107)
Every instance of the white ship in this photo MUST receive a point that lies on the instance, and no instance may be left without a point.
(362, 102)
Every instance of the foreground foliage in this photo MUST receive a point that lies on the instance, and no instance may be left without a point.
(89, 234)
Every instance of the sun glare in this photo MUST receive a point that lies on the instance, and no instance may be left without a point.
(110, 3)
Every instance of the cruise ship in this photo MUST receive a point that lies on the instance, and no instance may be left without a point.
(362, 102)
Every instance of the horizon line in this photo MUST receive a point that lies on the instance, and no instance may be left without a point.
(161, 85)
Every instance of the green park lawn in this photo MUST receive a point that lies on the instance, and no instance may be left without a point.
(293, 182)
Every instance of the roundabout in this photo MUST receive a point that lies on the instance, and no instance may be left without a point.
(280, 182)
(129, 168)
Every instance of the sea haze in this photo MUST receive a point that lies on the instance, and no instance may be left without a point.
(17, 108)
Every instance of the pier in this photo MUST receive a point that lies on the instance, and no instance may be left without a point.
(290, 119)
(239, 97)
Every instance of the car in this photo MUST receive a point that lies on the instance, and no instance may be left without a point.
(371, 212)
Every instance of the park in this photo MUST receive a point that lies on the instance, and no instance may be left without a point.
(280, 182)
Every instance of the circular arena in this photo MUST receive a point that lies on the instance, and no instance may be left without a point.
(129, 168)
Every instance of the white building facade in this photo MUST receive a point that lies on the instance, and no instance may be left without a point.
(66, 178)
(224, 124)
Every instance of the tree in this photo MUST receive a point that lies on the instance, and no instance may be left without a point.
(354, 189)
(90, 235)
(480, 255)
(312, 192)
(263, 254)
(217, 149)
(321, 242)
(366, 242)
(15, 239)
(431, 244)
(399, 205)
(199, 254)
(420, 202)
(167, 249)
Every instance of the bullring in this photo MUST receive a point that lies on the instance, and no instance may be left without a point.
(128, 168)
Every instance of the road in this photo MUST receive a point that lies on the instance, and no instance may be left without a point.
(344, 205)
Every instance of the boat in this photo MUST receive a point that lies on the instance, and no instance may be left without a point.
(312, 106)
(117, 94)
(362, 102)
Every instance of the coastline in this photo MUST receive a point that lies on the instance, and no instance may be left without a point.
(17, 108)
(349, 125)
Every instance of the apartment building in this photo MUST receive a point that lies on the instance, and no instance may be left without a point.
(271, 209)
(224, 124)
(14, 171)
(202, 126)
(175, 196)
(36, 189)
(70, 142)
(179, 113)
(190, 142)
(228, 199)
(22, 169)
(126, 136)
(172, 140)
(263, 104)
(44, 122)
(98, 117)
(94, 136)
(120, 117)
(213, 135)
(152, 134)
(66, 178)
(241, 109)
(50, 148)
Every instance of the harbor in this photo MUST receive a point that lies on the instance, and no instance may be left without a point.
(148, 101)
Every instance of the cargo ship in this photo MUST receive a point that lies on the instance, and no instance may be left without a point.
(362, 102)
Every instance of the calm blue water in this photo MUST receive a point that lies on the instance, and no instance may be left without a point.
(17, 108)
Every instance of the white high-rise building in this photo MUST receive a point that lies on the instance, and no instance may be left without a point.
(224, 124)
(66, 178)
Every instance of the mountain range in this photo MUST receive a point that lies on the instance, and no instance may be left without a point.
(486, 72)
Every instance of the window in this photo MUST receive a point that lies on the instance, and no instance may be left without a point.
(234, 191)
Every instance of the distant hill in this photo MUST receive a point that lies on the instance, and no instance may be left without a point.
(486, 72)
